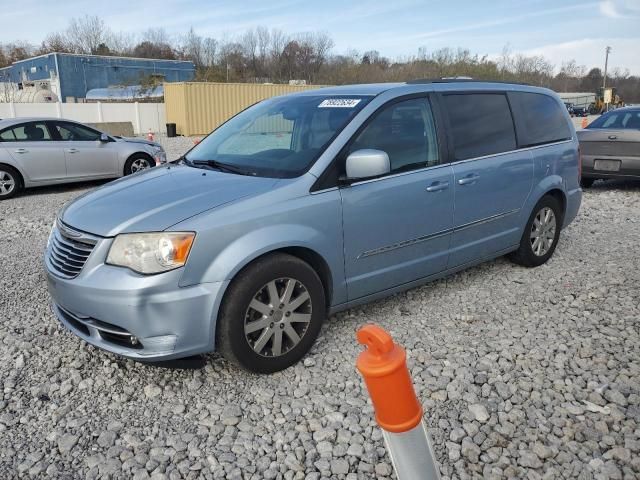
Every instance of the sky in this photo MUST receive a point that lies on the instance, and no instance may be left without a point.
(559, 30)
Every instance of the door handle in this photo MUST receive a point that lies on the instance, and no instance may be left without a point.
(437, 186)
(613, 137)
(21, 150)
(72, 150)
(469, 179)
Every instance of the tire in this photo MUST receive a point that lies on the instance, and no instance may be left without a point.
(10, 182)
(586, 182)
(136, 163)
(248, 336)
(530, 254)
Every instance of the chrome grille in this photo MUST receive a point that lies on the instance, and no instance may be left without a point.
(68, 255)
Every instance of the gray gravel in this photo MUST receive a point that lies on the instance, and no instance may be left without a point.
(522, 373)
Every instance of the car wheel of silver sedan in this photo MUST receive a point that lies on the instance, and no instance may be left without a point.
(541, 234)
(9, 182)
(137, 163)
(271, 313)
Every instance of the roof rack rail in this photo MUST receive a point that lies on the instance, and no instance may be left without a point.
(459, 79)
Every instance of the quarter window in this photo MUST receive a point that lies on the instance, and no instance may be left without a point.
(539, 119)
(481, 124)
(406, 132)
(27, 132)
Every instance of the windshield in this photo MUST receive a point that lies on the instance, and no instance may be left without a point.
(622, 119)
(280, 137)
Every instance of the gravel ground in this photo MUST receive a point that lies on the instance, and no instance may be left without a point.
(522, 373)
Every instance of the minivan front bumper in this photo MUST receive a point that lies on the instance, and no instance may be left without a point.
(142, 317)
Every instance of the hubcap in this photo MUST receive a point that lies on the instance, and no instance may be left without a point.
(278, 317)
(543, 232)
(139, 164)
(7, 183)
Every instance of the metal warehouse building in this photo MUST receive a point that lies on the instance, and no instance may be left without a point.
(71, 76)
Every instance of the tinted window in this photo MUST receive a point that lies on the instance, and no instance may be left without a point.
(76, 133)
(626, 119)
(27, 132)
(481, 124)
(539, 119)
(405, 131)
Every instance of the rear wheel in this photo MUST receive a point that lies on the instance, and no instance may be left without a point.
(10, 182)
(137, 163)
(586, 182)
(271, 314)
(541, 234)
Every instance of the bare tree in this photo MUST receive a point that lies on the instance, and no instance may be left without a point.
(249, 42)
(4, 61)
(85, 34)
(147, 49)
(569, 75)
(192, 47)
(121, 43)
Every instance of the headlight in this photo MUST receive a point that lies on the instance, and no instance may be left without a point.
(159, 155)
(151, 252)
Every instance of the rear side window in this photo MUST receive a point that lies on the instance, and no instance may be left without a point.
(26, 132)
(76, 133)
(480, 123)
(539, 119)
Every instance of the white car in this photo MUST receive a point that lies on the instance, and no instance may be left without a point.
(46, 151)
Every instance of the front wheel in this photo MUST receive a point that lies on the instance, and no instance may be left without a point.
(271, 314)
(541, 234)
(137, 163)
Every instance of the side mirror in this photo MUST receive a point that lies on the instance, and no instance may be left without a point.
(104, 138)
(367, 163)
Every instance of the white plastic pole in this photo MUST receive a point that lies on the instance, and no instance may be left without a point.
(398, 411)
(412, 454)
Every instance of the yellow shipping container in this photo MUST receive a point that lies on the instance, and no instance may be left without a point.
(198, 107)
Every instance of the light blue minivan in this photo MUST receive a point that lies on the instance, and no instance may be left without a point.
(311, 203)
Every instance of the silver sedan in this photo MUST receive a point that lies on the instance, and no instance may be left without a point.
(46, 151)
(610, 146)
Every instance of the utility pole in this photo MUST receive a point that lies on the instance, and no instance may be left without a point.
(604, 79)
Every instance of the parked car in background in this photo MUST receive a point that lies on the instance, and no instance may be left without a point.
(610, 146)
(569, 107)
(45, 151)
(579, 111)
(308, 204)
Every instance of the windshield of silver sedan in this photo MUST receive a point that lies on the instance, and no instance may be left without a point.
(280, 137)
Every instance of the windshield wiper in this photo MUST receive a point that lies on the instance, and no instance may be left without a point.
(223, 167)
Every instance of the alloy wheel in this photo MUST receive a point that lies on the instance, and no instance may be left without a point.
(543, 231)
(7, 183)
(278, 317)
(139, 164)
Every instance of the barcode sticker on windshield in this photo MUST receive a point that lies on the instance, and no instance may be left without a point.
(339, 103)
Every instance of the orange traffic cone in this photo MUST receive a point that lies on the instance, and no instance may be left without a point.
(398, 412)
(584, 122)
(150, 136)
